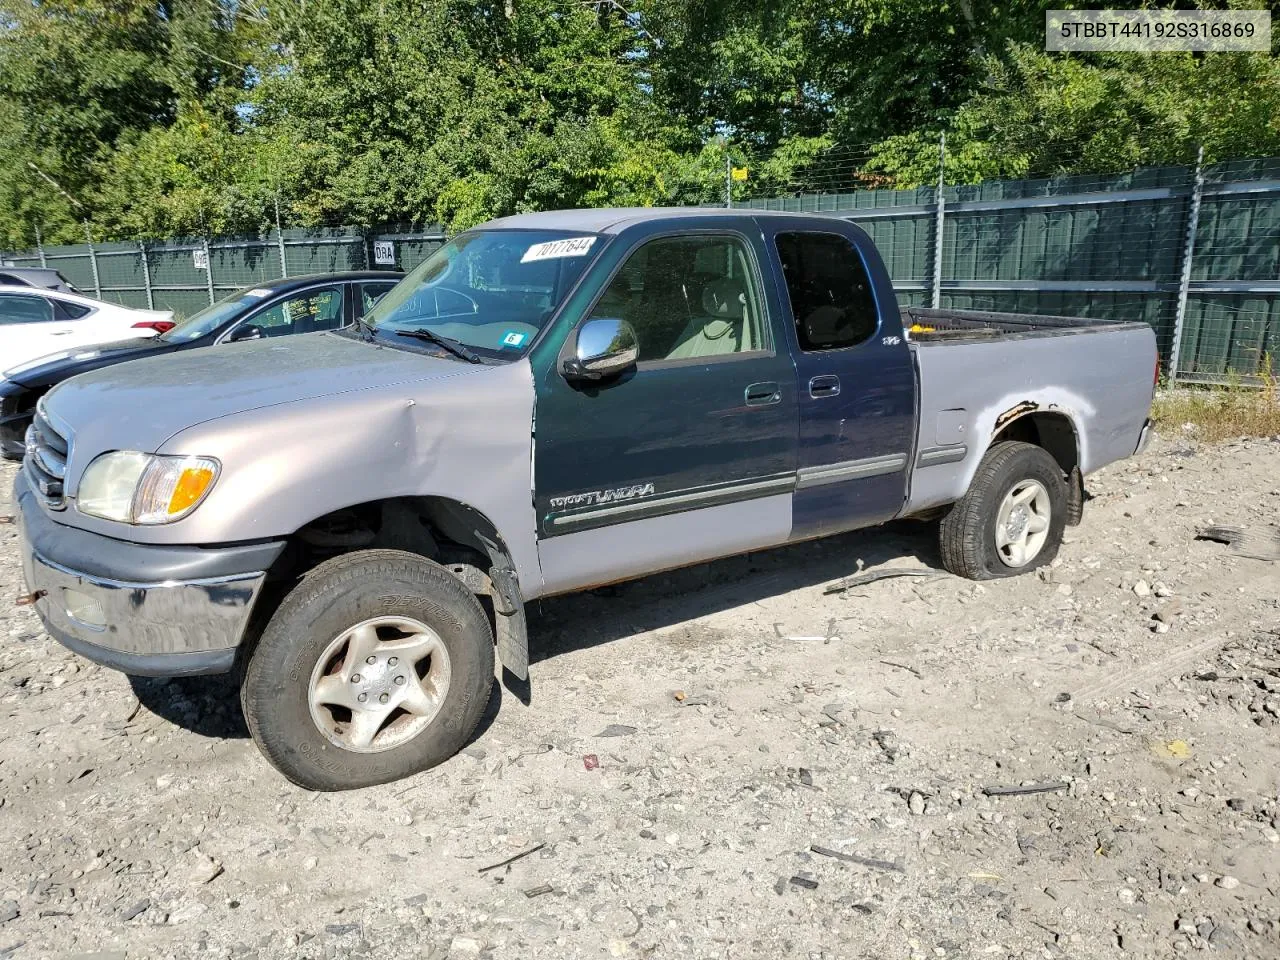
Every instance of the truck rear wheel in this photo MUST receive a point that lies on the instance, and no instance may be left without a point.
(376, 666)
(1010, 521)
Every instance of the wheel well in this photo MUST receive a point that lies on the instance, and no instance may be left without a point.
(440, 528)
(1052, 431)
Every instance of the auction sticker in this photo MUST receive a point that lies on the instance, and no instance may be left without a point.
(514, 338)
(556, 249)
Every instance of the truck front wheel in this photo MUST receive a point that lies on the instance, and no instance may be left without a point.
(1010, 521)
(376, 666)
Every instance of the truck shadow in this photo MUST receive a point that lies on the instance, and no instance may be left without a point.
(210, 706)
(560, 625)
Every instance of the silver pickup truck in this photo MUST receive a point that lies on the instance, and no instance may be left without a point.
(354, 520)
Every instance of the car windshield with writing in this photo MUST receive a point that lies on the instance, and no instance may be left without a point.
(490, 290)
(211, 318)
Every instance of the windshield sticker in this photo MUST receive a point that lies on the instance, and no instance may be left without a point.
(258, 292)
(514, 338)
(555, 249)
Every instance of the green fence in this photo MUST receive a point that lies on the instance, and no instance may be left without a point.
(187, 275)
(1193, 251)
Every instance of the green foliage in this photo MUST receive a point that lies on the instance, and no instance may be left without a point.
(1041, 114)
(181, 117)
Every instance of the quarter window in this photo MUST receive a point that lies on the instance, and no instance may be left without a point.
(688, 297)
(830, 290)
(371, 293)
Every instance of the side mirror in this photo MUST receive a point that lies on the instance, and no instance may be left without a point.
(246, 331)
(604, 348)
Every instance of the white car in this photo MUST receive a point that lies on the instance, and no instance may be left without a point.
(37, 322)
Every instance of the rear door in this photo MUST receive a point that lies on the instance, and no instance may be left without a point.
(855, 379)
(690, 455)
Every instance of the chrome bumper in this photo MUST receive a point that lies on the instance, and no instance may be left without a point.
(173, 628)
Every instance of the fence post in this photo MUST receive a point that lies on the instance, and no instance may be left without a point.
(146, 276)
(40, 247)
(939, 224)
(93, 261)
(208, 269)
(1188, 254)
(284, 264)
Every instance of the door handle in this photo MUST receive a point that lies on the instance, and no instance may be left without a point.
(762, 394)
(59, 333)
(824, 386)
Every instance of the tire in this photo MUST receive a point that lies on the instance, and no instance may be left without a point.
(409, 615)
(968, 532)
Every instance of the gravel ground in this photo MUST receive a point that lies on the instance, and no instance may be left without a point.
(723, 762)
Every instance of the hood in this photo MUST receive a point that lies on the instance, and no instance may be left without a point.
(139, 405)
(56, 367)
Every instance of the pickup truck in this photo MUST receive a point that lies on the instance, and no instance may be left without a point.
(551, 402)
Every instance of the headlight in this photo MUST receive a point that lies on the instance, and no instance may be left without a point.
(143, 488)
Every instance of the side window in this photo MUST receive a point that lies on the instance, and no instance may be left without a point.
(830, 290)
(305, 313)
(72, 311)
(15, 308)
(370, 293)
(688, 297)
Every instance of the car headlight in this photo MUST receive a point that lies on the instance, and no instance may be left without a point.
(143, 488)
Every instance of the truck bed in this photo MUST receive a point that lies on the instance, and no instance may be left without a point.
(979, 371)
(928, 325)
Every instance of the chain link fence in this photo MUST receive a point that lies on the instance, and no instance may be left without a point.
(1193, 251)
(185, 276)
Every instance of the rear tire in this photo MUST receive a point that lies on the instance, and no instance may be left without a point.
(377, 666)
(1010, 521)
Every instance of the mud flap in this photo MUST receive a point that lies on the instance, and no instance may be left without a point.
(513, 633)
(1075, 497)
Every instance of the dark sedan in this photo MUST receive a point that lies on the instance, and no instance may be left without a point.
(275, 309)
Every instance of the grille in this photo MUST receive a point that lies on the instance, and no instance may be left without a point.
(46, 460)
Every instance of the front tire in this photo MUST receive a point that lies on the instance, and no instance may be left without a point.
(1010, 521)
(378, 665)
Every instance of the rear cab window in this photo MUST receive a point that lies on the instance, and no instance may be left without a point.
(830, 290)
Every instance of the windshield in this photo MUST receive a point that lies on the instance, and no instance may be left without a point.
(211, 318)
(490, 289)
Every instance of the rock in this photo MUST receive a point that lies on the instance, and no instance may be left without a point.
(616, 730)
(1161, 590)
(916, 803)
(140, 907)
(464, 946)
(1140, 589)
(188, 911)
(887, 741)
(204, 869)
(1226, 882)
(8, 910)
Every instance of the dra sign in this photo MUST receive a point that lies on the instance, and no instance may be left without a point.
(384, 253)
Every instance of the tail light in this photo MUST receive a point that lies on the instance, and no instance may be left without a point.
(159, 326)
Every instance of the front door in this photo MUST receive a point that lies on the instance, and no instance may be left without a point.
(855, 381)
(690, 455)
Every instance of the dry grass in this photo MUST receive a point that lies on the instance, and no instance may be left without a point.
(1221, 413)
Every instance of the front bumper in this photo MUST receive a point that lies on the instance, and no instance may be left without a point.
(118, 604)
